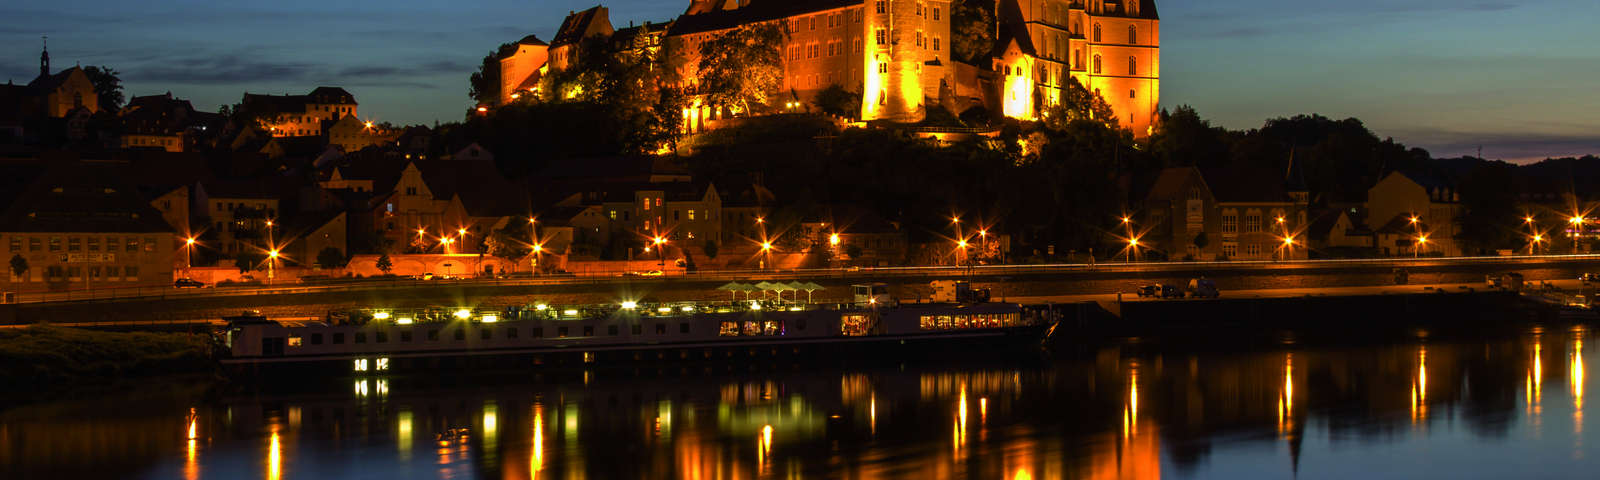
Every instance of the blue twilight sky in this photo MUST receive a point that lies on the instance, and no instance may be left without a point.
(1514, 76)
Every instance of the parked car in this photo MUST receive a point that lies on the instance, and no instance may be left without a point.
(1171, 291)
(188, 283)
(1203, 288)
(311, 279)
(628, 274)
(1149, 290)
(425, 276)
(652, 273)
(1590, 278)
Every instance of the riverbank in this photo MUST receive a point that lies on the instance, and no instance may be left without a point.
(49, 354)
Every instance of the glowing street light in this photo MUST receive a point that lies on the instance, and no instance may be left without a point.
(833, 239)
(1422, 241)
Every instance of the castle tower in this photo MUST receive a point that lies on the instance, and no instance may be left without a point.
(893, 62)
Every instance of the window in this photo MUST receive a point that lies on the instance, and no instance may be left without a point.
(149, 244)
(1133, 66)
(383, 337)
(1252, 250)
(338, 338)
(16, 243)
(316, 339)
(294, 340)
(611, 329)
(588, 330)
(433, 335)
(613, 214)
(935, 13)
(1133, 94)
(73, 244)
(1096, 33)
(461, 334)
(1133, 35)
(812, 22)
(883, 36)
(511, 334)
(1096, 64)
(561, 332)
(883, 7)
(55, 244)
(691, 214)
(855, 45)
(661, 328)
(1230, 221)
(94, 273)
(486, 334)
(35, 243)
(935, 43)
(638, 329)
(536, 332)
(1230, 250)
(1252, 221)
(130, 272)
(683, 328)
(133, 244)
(361, 337)
(883, 67)
(405, 335)
(675, 215)
(411, 190)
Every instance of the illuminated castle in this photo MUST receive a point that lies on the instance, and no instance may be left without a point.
(898, 53)
(1112, 47)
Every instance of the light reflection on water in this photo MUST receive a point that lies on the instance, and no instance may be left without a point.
(1430, 405)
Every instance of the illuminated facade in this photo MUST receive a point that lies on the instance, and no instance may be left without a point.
(1243, 214)
(1112, 48)
(302, 115)
(522, 67)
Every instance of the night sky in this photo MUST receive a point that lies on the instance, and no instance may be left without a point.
(1516, 77)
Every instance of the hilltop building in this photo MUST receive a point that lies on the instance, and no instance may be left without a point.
(898, 55)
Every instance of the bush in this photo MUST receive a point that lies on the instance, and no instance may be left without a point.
(44, 353)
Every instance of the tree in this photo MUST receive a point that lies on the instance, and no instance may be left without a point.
(853, 251)
(485, 83)
(1078, 104)
(1183, 139)
(332, 257)
(743, 68)
(107, 86)
(711, 249)
(19, 265)
(1201, 241)
(370, 243)
(835, 100)
(385, 265)
(510, 243)
(972, 26)
(249, 259)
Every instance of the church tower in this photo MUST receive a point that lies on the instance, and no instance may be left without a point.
(893, 62)
(44, 62)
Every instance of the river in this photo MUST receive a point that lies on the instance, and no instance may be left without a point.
(1480, 402)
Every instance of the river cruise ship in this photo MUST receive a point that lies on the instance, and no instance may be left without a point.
(375, 342)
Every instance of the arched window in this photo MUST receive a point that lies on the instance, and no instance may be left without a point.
(1096, 64)
(1133, 35)
(1096, 33)
(1133, 65)
(77, 100)
(1077, 59)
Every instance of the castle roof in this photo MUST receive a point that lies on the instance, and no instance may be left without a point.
(532, 40)
(756, 11)
(580, 25)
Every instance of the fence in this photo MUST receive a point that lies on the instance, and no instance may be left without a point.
(864, 274)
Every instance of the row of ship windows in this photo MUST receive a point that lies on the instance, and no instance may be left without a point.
(461, 334)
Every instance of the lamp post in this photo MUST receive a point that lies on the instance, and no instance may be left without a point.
(1577, 232)
(272, 266)
(534, 263)
(766, 252)
(188, 253)
(833, 247)
(462, 234)
(1133, 248)
(1422, 241)
(1533, 229)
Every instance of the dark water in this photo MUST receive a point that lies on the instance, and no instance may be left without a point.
(1506, 402)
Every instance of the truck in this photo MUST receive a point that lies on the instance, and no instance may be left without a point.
(958, 291)
(1203, 288)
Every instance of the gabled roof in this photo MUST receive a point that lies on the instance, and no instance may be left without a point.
(1427, 181)
(74, 196)
(580, 25)
(532, 40)
(1226, 184)
(44, 83)
(755, 12)
(609, 167)
(849, 218)
(1401, 225)
(627, 192)
(265, 188)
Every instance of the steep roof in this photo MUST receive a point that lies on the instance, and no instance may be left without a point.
(1230, 184)
(532, 40)
(50, 82)
(609, 167)
(755, 12)
(265, 188)
(578, 25)
(75, 196)
(625, 192)
(849, 218)
(1427, 181)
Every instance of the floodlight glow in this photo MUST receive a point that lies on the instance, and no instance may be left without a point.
(463, 313)
(403, 321)
(381, 315)
(491, 318)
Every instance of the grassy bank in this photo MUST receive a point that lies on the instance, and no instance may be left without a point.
(45, 354)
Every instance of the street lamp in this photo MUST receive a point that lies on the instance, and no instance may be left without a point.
(535, 263)
(1133, 248)
(188, 253)
(1422, 241)
(272, 265)
(661, 253)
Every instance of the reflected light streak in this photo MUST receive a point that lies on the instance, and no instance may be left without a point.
(536, 458)
(191, 467)
(404, 437)
(1419, 390)
(1130, 418)
(1577, 386)
(275, 457)
(1286, 403)
(872, 410)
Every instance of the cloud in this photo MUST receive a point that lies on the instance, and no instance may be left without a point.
(1514, 147)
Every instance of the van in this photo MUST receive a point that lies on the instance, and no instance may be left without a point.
(1203, 288)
